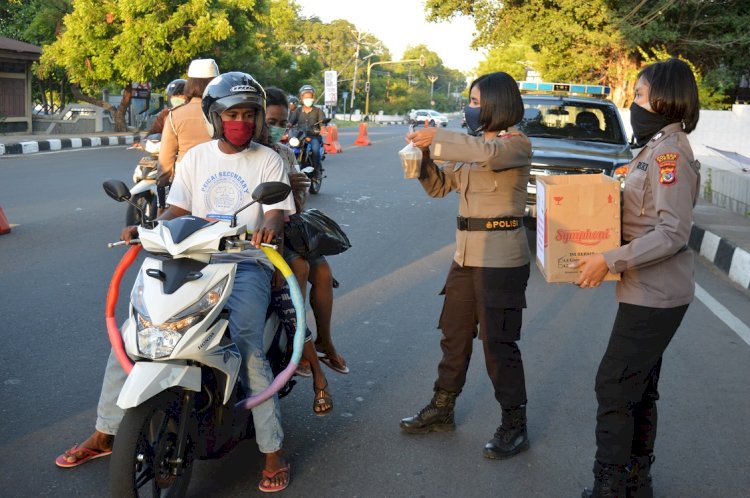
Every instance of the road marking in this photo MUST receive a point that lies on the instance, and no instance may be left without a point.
(723, 314)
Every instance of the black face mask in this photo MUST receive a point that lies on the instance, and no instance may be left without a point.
(645, 124)
(471, 114)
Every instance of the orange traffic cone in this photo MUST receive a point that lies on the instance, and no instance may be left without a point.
(362, 139)
(328, 142)
(336, 143)
(4, 225)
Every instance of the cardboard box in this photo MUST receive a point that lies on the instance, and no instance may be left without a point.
(577, 215)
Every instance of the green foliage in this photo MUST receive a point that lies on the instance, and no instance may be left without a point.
(109, 44)
(122, 41)
(707, 95)
(513, 58)
(600, 40)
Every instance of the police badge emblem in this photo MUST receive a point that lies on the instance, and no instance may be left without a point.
(667, 168)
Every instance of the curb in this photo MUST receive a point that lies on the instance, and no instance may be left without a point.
(53, 144)
(722, 253)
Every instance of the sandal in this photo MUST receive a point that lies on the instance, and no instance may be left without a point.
(336, 364)
(80, 455)
(271, 488)
(323, 403)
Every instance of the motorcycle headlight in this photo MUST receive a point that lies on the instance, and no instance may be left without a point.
(294, 142)
(159, 340)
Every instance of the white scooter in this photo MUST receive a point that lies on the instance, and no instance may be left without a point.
(182, 398)
(143, 192)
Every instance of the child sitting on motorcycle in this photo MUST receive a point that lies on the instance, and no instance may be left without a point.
(214, 180)
(308, 118)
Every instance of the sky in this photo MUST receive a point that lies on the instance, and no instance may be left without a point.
(400, 23)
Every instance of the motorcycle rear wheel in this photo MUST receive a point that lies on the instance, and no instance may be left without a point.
(147, 202)
(145, 443)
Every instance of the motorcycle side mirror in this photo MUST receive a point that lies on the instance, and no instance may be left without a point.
(265, 193)
(271, 192)
(117, 190)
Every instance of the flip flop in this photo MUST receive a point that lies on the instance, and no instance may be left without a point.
(328, 361)
(87, 454)
(303, 370)
(270, 475)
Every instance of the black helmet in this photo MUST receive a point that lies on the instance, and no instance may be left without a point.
(176, 87)
(306, 88)
(293, 100)
(230, 90)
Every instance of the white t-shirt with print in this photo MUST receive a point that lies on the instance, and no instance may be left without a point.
(212, 184)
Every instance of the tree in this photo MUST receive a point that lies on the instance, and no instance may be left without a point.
(340, 46)
(118, 42)
(601, 40)
(571, 40)
(514, 59)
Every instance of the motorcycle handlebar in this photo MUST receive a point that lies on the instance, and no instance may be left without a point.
(132, 242)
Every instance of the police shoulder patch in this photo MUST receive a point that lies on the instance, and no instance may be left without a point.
(667, 163)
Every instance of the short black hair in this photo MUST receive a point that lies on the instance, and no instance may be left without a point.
(499, 101)
(276, 96)
(673, 92)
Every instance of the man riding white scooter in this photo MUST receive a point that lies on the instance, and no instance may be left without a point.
(214, 180)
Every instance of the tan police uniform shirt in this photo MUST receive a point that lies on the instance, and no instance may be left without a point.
(660, 192)
(183, 129)
(490, 178)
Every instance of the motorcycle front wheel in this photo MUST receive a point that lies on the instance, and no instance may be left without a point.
(316, 181)
(144, 451)
(147, 202)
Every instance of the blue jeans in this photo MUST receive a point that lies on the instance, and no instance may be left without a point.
(247, 304)
(315, 151)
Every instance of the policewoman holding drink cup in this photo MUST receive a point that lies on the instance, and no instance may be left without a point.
(486, 284)
(657, 283)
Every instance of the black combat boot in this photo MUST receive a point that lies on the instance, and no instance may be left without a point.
(639, 477)
(609, 481)
(437, 416)
(511, 437)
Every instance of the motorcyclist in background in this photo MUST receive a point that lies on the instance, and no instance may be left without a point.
(175, 97)
(293, 103)
(308, 117)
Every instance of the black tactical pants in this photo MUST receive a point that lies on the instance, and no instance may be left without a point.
(492, 298)
(627, 381)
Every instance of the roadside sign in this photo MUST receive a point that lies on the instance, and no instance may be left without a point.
(331, 79)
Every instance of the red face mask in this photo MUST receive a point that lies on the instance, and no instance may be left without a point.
(238, 133)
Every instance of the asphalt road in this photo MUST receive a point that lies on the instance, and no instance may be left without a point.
(54, 272)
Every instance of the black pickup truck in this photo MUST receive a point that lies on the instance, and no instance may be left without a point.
(572, 135)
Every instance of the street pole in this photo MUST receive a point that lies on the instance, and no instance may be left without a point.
(432, 79)
(354, 79)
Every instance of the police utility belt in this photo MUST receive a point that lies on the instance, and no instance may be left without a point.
(489, 224)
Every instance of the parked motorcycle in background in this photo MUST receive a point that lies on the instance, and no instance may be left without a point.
(301, 141)
(143, 191)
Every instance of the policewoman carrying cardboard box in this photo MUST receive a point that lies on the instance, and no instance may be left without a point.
(657, 282)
